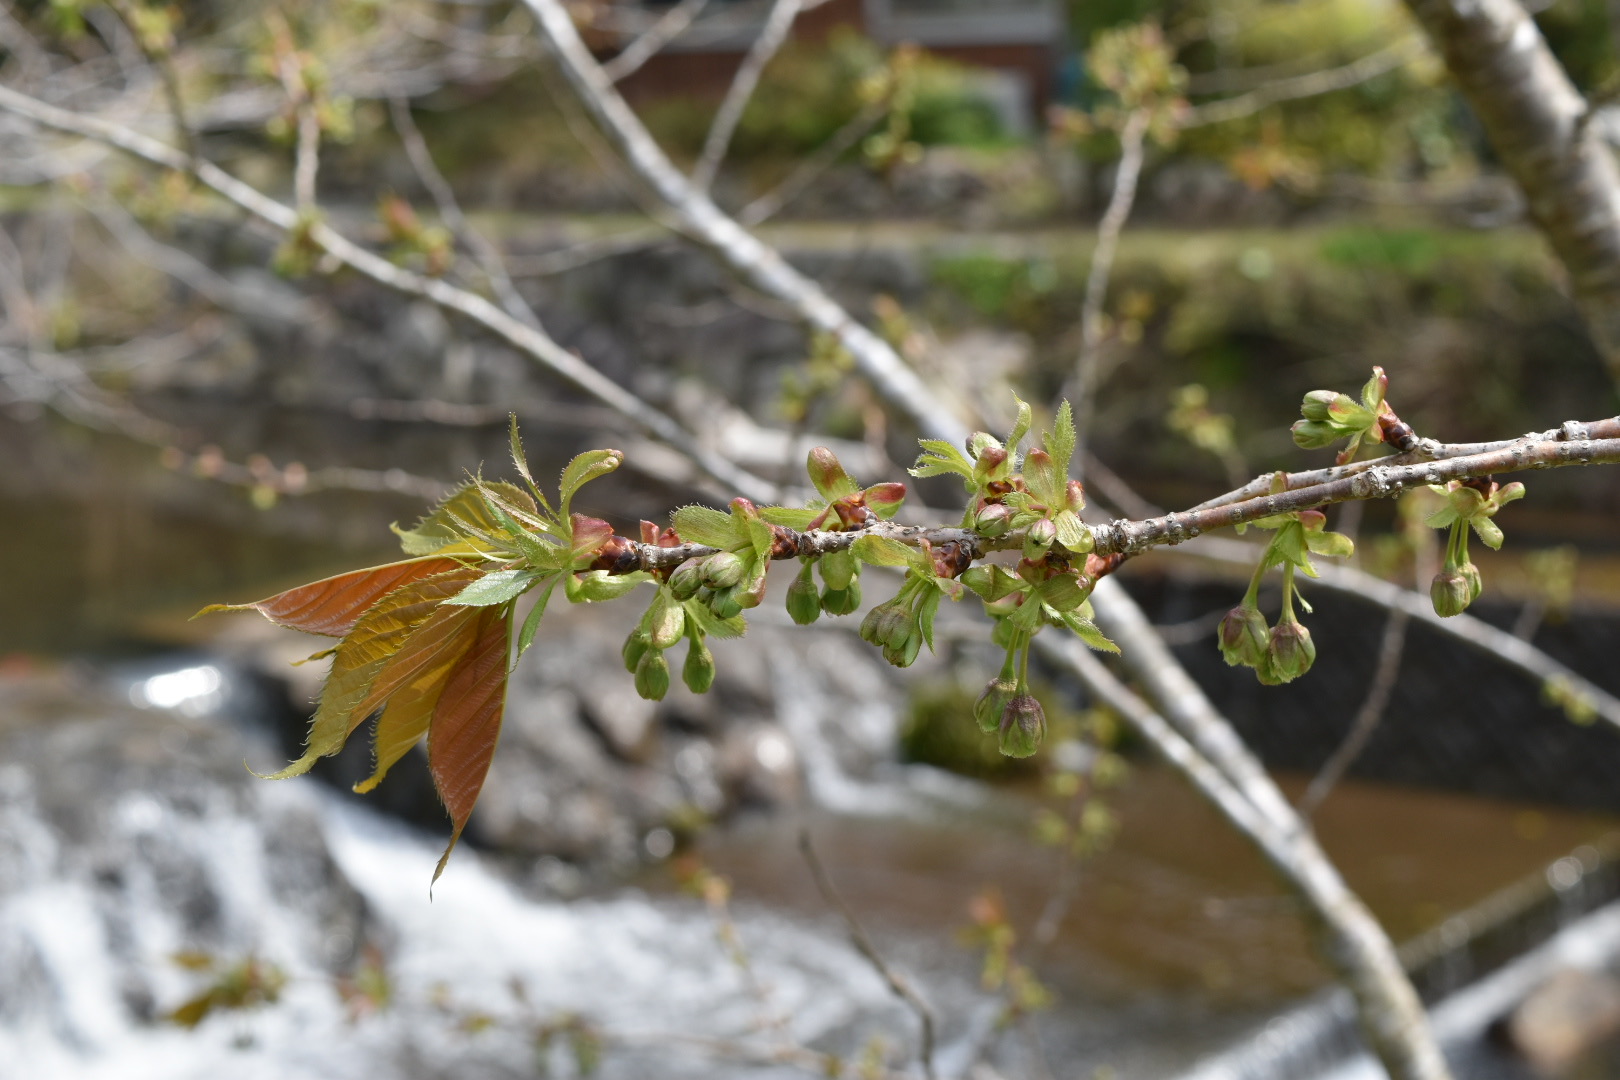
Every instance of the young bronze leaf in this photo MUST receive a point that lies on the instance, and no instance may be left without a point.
(361, 657)
(465, 505)
(405, 719)
(467, 721)
(444, 635)
(333, 605)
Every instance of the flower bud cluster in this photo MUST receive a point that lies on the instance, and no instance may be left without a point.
(1470, 505)
(1328, 417)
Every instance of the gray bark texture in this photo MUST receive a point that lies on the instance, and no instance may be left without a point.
(1533, 116)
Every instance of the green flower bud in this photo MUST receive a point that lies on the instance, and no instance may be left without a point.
(803, 602)
(635, 646)
(902, 651)
(992, 703)
(1314, 434)
(725, 603)
(1038, 538)
(1451, 592)
(1290, 654)
(991, 520)
(600, 585)
(687, 579)
(1023, 726)
(698, 671)
(838, 569)
(666, 622)
(881, 622)
(751, 593)
(652, 676)
(1476, 584)
(842, 601)
(722, 570)
(1243, 637)
(1315, 406)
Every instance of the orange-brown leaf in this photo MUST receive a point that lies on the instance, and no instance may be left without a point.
(405, 718)
(382, 632)
(467, 721)
(333, 605)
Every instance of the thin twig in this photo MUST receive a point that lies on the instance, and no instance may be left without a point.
(1132, 138)
(1314, 84)
(771, 38)
(530, 340)
(444, 197)
(816, 163)
(669, 27)
(1367, 719)
(898, 984)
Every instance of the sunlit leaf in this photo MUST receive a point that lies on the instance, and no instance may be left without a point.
(495, 588)
(333, 605)
(520, 461)
(1060, 443)
(405, 719)
(881, 551)
(463, 507)
(467, 722)
(376, 638)
(582, 470)
(706, 525)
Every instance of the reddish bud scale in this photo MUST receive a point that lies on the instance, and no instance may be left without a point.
(784, 542)
(1100, 566)
(951, 559)
(617, 555)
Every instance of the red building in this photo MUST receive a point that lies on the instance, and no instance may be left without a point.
(1020, 41)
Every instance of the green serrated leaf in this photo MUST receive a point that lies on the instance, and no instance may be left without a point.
(1071, 533)
(1063, 592)
(1060, 443)
(1087, 631)
(706, 525)
(941, 457)
(711, 624)
(532, 623)
(927, 608)
(760, 537)
(789, 517)
(1021, 426)
(1332, 544)
(495, 588)
(581, 471)
(881, 551)
(520, 461)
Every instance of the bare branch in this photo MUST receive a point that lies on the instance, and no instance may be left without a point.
(444, 197)
(530, 340)
(1131, 139)
(808, 170)
(669, 27)
(1391, 646)
(1316, 83)
(898, 984)
(771, 38)
(1532, 113)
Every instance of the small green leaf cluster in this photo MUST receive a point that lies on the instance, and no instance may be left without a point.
(1469, 505)
(1329, 416)
(1034, 494)
(1282, 653)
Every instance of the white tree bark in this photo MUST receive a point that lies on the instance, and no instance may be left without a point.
(1534, 118)
(1354, 944)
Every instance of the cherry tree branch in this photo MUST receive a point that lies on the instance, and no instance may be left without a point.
(529, 340)
(1532, 114)
(1086, 375)
(668, 27)
(444, 198)
(772, 36)
(1313, 84)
